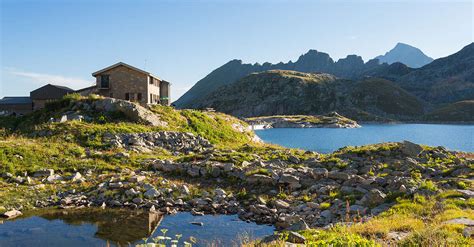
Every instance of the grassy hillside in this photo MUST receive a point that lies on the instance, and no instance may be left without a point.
(433, 178)
(282, 92)
(386, 97)
(218, 128)
(462, 111)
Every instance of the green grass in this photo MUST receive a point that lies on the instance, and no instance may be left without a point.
(335, 237)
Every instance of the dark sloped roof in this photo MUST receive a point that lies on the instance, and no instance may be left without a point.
(62, 87)
(85, 89)
(15, 100)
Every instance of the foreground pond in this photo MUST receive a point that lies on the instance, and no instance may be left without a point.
(95, 227)
(326, 140)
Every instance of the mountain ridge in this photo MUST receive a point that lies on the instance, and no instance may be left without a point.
(350, 67)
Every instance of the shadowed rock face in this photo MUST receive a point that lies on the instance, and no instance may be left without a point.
(445, 80)
(313, 61)
(279, 92)
(434, 83)
(117, 226)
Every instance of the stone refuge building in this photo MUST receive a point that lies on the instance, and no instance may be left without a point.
(121, 81)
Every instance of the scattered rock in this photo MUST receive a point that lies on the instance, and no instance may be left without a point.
(467, 193)
(77, 177)
(468, 232)
(461, 221)
(152, 193)
(281, 204)
(296, 238)
(373, 197)
(43, 173)
(11, 214)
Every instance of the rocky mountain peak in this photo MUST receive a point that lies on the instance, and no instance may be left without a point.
(406, 54)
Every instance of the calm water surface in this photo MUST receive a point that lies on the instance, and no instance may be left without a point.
(95, 227)
(326, 140)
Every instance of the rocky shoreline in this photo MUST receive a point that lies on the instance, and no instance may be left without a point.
(332, 120)
(168, 169)
(315, 186)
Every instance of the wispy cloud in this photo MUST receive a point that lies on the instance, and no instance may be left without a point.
(42, 78)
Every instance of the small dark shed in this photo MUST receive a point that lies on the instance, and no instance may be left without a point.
(16, 105)
(48, 93)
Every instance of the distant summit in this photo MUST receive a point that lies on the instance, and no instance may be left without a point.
(406, 54)
(396, 63)
(313, 61)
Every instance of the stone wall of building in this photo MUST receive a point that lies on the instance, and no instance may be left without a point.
(122, 81)
(153, 90)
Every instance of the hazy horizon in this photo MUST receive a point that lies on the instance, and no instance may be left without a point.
(62, 42)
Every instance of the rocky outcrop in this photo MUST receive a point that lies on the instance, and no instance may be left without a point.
(181, 142)
(132, 110)
(351, 67)
(11, 214)
(332, 120)
(280, 92)
(291, 193)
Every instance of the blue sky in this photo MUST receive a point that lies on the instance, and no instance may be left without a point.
(64, 41)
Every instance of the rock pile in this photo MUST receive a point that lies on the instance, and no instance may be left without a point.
(173, 141)
(292, 193)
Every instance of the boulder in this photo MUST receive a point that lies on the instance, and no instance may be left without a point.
(288, 179)
(373, 197)
(319, 173)
(220, 192)
(43, 173)
(152, 193)
(339, 175)
(298, 226)
(11, 214)
(259, 178)
(77, 177)
(461, 221)
(467, 193)
(133, 111)
(281, 204)
(295, 238)
(53, 178)
(193, 171)
(410, 149)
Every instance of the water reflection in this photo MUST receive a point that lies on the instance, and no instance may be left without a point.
(117, 226)
(114, 227)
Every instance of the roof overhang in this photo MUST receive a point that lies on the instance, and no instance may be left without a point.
(125, 65)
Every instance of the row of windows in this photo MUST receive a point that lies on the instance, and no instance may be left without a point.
(154, 99)
(154, 81)
(133, 96)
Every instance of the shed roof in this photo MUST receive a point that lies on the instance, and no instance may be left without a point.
(15, 100)
(56, 86)
(125, 65)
